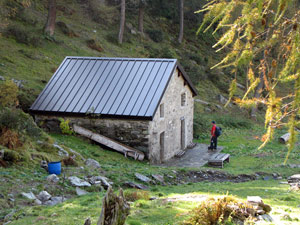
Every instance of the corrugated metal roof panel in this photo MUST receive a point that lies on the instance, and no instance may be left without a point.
(130, 87)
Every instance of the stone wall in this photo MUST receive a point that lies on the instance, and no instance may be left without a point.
(134, 133)
(171, 122)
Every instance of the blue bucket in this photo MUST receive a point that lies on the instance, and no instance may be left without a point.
(54, 168)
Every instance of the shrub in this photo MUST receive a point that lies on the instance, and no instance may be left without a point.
(11, 156)
(217, 211)
(65, 127)
(155, 35)
(21, 35)
(133, 196)
(10, 139)
(8, 94)
(102, 13)
(69, 161)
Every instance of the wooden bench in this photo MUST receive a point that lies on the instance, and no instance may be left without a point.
(179, 154)
(218, 160)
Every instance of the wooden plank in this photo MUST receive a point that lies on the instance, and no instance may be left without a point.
(218, 159)
(127, 150)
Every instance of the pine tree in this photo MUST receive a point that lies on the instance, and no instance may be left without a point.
(263, 38)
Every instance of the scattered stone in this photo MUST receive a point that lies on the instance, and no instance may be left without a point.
(207, 109)
(265, 217)
(142, 178)
(133, 31)
(283, 182)
(279, 178)
(201, 102)
(77, 182)
(218, 106)
(80, 192)
(92, 163)
(61, 151)
(54, 201)
(44, 165)
(10, 215)
(53, 178)
(254, 200)
(222, 99)
(37, 202)
(267, 178)
(19, 83)
(152, 198)
(76, 153)
(29, 195)
(2, 78)
(158, 178)
(135, 185)
(294, 178)
(44, 196)
(100, 180)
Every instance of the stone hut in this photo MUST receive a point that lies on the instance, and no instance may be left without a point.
(143, 103)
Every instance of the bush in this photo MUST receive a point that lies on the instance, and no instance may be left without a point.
(8, 94)
(136, 195)
(65, 127)
(11, 156)
(101, 13)
(10, 139)
(21, 35)
(216, 211)
(155, 35)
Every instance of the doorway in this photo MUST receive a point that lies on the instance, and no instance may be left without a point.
(182, 133)
(162, 146)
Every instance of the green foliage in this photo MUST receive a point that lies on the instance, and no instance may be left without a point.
(155, 35)
(133, 196)
(23, 35)
(8, 94)
(65, 127)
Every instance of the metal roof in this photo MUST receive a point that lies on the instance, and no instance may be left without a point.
(125, 87)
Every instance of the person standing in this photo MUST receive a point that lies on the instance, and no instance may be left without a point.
(214, 137)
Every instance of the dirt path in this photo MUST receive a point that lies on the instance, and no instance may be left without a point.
(193, 158)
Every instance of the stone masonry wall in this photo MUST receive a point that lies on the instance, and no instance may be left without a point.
(171, 123)
(134, 133)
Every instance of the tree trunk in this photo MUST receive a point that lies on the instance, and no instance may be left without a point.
(181, 20)
(50, 24)
(115, 209)
(141, 16)
(122, 21)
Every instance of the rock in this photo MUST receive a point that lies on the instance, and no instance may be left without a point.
(266, 218)
(142, 178)
(207, 109)
(294, 178)
(135, 185)
(287, 217)
(2, 78)
(8, 222)
(61, 151)
(201, 102)
(133, 31)
(222, 99)
(44, 196)
(100, 180)
(267, 208)
(29, 195)
(77, 182)
(2, 154)
(219, 107)
(152, 198)
(92, 163)
(254, 200)
(37, 202)
(283, 182)
(158, 178)
(19, 83)
(54, 201)
(44, 165)
(80, 192)
(53, 178)
(10, 215)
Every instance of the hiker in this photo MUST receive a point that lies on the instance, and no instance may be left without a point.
(214, 137)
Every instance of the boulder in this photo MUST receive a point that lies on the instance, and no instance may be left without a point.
(100, 180)
(254, 200)
(61, 151)
(37, 202)
(2, 78)
(158, 178)
(201, 102)
(77, 182)
(80, 192)
(266, 218)
(44, 196)
(29, 195)
(93, 164)
(135, 185)
(54, 201)
(294, 178)
(142, 178)
(53, 178)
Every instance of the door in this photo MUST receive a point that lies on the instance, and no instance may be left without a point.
(182, 133)
(162, 146)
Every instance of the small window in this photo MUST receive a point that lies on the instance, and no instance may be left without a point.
(183, 99)
(161, 111)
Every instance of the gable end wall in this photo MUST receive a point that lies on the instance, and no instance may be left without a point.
(171, 123)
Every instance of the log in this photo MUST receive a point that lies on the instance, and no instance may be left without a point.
(115, 209)
(126, 150)
(284, 138)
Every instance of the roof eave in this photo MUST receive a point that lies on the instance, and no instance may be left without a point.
(187, 79)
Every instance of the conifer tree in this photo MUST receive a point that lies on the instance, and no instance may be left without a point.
(263, 38)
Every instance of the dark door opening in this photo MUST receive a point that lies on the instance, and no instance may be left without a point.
(182, 133)
(162, 146)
